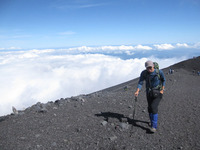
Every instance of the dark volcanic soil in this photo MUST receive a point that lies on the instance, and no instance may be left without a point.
(103, 120)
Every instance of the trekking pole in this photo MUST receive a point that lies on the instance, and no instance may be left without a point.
(134, 112)
(134, 109)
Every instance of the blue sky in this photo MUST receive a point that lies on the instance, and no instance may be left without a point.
(68, 23)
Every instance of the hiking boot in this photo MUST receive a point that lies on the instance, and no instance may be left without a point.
(153, 130)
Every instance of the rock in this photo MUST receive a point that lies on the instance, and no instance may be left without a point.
(22, 138)
(78, 130)
(55, 107)
(37, 135)
(65, 140)
(78, 98)
(124, 120)
(112, 124)
(14, 110)
(113, 138)
(21, 112)
(125, 88)
(54, 144)
(180, 147)
(39, 107)
(104, 123)
(57, 102)
(124, 126)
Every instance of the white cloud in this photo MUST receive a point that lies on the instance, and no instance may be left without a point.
(91, 5)
(122, 47)
(102, 48)
(46, 75)
(196, 45)
(141, 47)
(67, 33)
(184, 45)
(110, 48)
(164, 46)
(78, 5)
(82, 48)
(10, 48)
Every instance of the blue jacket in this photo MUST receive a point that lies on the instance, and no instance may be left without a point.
(153, 78)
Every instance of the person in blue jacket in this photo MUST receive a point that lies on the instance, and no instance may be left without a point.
(155, 85)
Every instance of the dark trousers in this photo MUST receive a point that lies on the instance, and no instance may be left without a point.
(153, 103)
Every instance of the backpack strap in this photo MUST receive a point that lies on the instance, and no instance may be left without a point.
(157, 74)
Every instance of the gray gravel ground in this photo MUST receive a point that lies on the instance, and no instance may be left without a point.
(103, 120)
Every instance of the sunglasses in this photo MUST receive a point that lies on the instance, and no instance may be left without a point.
(148, 68)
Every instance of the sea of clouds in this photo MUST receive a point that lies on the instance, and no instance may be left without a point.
(42, 75)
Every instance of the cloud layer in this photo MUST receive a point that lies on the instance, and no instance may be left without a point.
(31, 76)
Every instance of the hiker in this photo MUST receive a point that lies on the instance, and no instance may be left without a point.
(170, 71)
(193, 71)
(155, 84)
(198, 73)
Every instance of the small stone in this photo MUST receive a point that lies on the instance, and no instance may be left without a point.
(78, 130)
(22, 138)
(54, 144)
(21, 113)
(37, 135)
(124, 126)
(14, 110)
(39, 107)
(124, 120)
(38, 146)
(113, 138)
(104, 123)
(180, 147)
(112, 124)
(43, 110)
(125, 88)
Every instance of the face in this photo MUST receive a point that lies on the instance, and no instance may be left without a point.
(150, 69)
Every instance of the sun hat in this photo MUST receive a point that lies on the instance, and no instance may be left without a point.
(149, 63)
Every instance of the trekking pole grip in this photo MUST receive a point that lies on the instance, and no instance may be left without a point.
(136, 98)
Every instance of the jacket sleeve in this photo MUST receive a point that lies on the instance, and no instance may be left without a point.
(141, 80)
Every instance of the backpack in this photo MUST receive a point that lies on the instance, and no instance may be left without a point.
(156, 67)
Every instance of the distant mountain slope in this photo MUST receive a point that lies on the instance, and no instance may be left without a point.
(189, 65)
(103, 120)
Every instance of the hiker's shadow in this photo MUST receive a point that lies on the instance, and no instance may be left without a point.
(121, 118)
